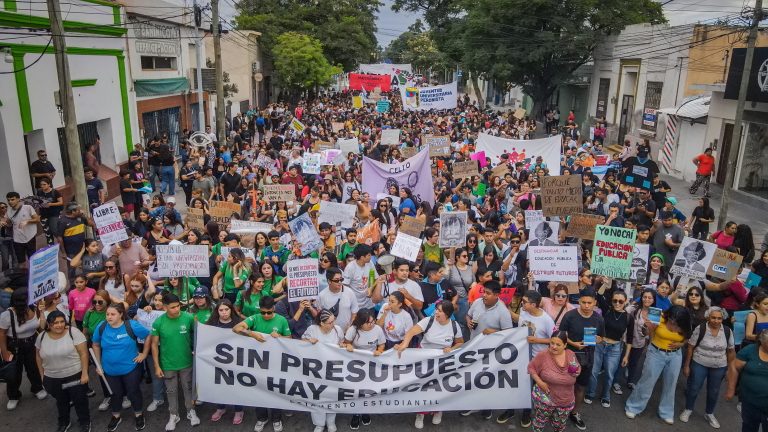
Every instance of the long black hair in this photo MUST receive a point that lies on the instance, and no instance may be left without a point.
(681, 316)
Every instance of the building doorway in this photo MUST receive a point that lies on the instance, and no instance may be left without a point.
(625, 121)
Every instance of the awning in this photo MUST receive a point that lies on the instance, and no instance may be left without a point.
(692, 108)
(159, 87)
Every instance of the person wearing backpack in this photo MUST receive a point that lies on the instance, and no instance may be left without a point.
(710, 352)
(438, 332)
(115, 347)
(62, 359)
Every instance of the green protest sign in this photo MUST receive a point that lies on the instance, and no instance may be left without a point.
(613, 251)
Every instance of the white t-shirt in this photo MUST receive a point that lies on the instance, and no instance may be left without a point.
(28, 231)
(439, 336)
(60, 358)
(116, 293)
(411, 286)
(365, 340)
(347, 305)
(356, 278)
(333, 337)
(396, 325)
(23, 331)
(540, 327)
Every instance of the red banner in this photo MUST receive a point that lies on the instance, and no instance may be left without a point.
(370, 82)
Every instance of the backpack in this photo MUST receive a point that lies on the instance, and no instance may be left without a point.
(128, 329)
(454, 326)
(703, 329)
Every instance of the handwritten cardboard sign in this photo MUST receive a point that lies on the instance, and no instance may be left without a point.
(274, 193)
(561, 195)
(465, 169)
(439, 145)
(411, 226)
(195, 218)
(725, 265)
(409, 152)
(221, 212)
(582, 225)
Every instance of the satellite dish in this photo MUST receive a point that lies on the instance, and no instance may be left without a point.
(200, 139)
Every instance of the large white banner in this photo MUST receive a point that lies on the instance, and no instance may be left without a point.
(489, 372)
(524, 151)
(427, 98)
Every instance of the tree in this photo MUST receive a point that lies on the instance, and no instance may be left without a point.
(417, 47)
(230, 89)
(300, 63)
(535, 44)
(345, 28)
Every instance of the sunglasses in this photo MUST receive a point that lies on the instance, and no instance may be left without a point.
(694, 295)
(325, 260)
(109, 267)
(561, 295)
(97, 302)
(464, 256)
(337, 280)
(267, 312)
(515, 241)
(618, 301)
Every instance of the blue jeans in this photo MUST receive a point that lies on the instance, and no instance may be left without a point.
(752, 417)
(168, 180)
(607, 358)
(154, 172)
(460, 315)
(657, 364)
(158, 385)
(699, 373)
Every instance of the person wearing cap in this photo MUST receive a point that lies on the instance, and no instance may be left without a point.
(169, 207)
(201, 307)
(677, 216)
(668, 237)
(71, 229)
(577, 323)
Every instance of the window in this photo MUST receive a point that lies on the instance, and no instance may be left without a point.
(652, 104)
(602, 98)
(158, 63)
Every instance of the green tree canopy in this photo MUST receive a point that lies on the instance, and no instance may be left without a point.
(300, 63)
(417, 47)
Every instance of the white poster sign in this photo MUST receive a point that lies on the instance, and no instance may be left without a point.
(406, 247)
(238, 226)
(488, 372)
(109, 223)
(693, 258)
(390, 137)
(453, 229)
(336, 213)
(429, 98)
(524, 151)
(533, 217)
(302, 279)
(311, 163)
(554, 263)
(347, 146)
(182, 260)
(43, 273)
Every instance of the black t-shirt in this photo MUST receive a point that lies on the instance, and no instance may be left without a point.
(429, 291)
(276, 142)
(641, 216)
(49, 197)
(127, 197)
(699, 213)
(658, 196)
(165, 157)
(229, 182)
(92, 187)
(574, 323)
(40, 167)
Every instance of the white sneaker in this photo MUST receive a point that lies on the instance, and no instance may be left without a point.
(154, 404)
(12, 403)
(712, 420)
(278, 426)
(669, 421)
(259, 426)
(192, 417)
(104, 405)
(419, 423)
(319, 429)
(42, 394)
(630, 415)
(685, 415)
(126, 403)
(171, 425)
(617, 389)
(437, 418)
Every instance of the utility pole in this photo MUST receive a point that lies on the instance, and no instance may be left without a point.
(733, 150)
(221, 131)
(67, 101)
(198, 18)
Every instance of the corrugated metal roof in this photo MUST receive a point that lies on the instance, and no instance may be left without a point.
(693, 108)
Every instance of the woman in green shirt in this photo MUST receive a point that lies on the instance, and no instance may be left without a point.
(273, 284)
(96, 314)
(233, 273)
(202, 306)
(183, 287)
(247, 303)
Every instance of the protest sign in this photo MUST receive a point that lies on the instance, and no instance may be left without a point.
(221, 212)
(544, 233)
(310, 163)
(480, 158)
(195, 218)
(693, 258)
(519, 113)
(638, 176)
(369, 82)
(414, 173)
(613, 251)
(182, 260)
(500, 170)
(279, 192)
(109, 223)
(390, 137)
(43, 273)
(297, 125)
(382, 106)
(406, 246)
(488, 372)
(465, 169)
(428, 98)
(238, 226)
(347, 146)
(408, 152)
(302, 279)
(264, 161)
(305, 234)
(331, 157)
(439, 145)
(337, 126)
(561, 195)
(411, 226)
(453, 229)
(395, 199)
(725, 265)
(533, 217)
(639, 269)
(147, 318)
(369, 234)
(507, 295)
(337, 214)
(524, 151)
(582, 225)
(248, 252)
(319, 146)
(554, 263)
(357, 101)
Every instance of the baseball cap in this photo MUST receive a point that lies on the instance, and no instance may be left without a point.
(201, 291)
(170, 200)
(672, 200)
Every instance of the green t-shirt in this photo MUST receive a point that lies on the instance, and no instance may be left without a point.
(346, 249)
(216, 249)
(175, 340)
(269, 285)
(753, 385)
(278, 323)
(186, 294)
(250, 307)
(433, 253)
(202, 315)
(229, 276)
(92, 319)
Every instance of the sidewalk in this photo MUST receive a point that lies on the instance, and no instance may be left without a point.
(738, 211)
